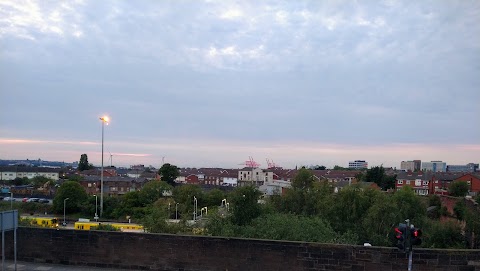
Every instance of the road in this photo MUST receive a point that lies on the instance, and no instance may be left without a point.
(26, 266)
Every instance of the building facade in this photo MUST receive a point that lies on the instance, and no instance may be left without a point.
(470, 167)
(414, 165)
(11, 172)
(434, 166)
(254, 176)
(358, 164)
(418, 181)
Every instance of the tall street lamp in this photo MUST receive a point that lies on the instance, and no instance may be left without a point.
(64, 205)
(96, 214)
(104, 120)
(176, 211)
(194, 208)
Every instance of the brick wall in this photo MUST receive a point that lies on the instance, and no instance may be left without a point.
(176, 252)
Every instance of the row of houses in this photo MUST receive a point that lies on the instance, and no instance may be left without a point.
(427, 183)
(9, 173)
(269, 181)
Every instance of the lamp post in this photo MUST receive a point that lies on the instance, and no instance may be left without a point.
(96, 204)
(64, 205)
(194, 208)
(176, 211)
(11, 199)
(104, 120)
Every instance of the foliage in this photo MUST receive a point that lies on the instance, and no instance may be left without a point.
(155, 221)
(83, 163)
(75, 178)
(106, 227)
(351, 204)
(472, 228)
(76, 197)
(184, 194)
(39, 181)
(409, 206)
(306, 198)
(443, 235)
(293, 228)
(244, 205)
(35, 207)
(438, 211)
(152, 191)
(20, 181)
(169, 173)
(378, 221)
(458, 189)
(378, 176)
(317, 167)
(460, 209)
(337, 167)
(303, 180)
(214, 197)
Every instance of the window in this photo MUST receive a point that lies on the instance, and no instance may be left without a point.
(407, 182)
(89, 185)
(400, 181)
(425, 182)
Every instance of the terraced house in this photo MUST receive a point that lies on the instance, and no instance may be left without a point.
(12, 172)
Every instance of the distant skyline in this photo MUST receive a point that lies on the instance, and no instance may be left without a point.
(210, 83)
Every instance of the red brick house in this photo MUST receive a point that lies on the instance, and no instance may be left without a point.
(419, 181)
(473, 181)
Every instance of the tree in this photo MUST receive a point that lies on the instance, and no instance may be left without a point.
(214, 197)
(39, 181)
(83, 163)
(244, 205)
(303, 180)
(169, 173)
(20, 181)
(317, 167)
(378, 176)
(152, 191)
(443, 234)
(458, 189)
(460, 209)
(76, 197)
(184, 194)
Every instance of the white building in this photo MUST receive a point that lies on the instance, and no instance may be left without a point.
(254, 176)
(274, 187)
(357, 164)
(434, 166)
(228, 181)
(10, 173)
(414, 165)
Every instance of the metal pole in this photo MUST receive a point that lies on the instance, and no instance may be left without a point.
(96, 208)
(64, 205)
(11, 200)
(15, 241)
(176, 211)
(101, 173)
(410, 261)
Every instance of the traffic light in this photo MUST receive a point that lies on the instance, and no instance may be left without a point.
(415, 235)
(401, 236)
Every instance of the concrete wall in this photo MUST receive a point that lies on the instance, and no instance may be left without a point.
(175, 252)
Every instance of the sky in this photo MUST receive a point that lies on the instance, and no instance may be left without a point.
(212, 83)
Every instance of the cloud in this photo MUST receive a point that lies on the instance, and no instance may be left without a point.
(277, 71)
